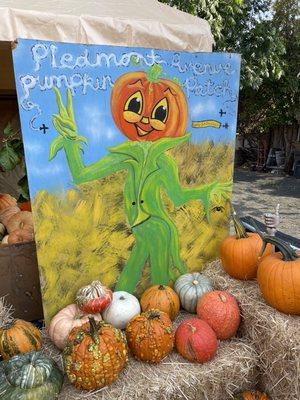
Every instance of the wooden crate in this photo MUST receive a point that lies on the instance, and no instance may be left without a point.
(19, 280)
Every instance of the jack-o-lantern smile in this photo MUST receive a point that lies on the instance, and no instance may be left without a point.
(145, 110)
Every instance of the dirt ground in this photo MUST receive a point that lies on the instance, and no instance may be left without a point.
(255, 193)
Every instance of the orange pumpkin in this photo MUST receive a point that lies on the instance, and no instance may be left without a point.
(149, 336)
(7, 201)
(221, 311)
(147, 107)
(239, 253)
(20, 236)
(196, 341)
(162, 298)
(19, 337)
(19, 221)
(278, 277)
(7, 213)
(252, 396)
(94, 355)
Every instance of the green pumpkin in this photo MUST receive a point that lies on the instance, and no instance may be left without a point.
(190, 288)
(29, 376)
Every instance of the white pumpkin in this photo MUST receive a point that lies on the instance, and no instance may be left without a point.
(190, 287)
(123, 308)
(65, 320)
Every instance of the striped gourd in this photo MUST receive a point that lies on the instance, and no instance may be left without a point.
(19, 337)
(93, 298)
(30, 376)
(190, 287)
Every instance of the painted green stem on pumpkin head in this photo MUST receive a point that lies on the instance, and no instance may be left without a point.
(149, 170)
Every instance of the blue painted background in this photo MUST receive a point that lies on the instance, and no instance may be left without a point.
(209, 80)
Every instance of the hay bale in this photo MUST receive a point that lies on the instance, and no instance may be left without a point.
(6, 312)
(233, 369)
(274, 335)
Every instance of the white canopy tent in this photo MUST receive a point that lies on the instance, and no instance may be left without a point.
(142, 23)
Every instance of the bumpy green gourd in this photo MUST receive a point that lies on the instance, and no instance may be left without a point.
(30, 376)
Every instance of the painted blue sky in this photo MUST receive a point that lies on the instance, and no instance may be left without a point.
(209, 80)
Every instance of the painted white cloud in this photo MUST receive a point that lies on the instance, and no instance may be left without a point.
(94, 124)
(110, 133)
(204, 107)
(50, 170)
(92, 116)
(34, 148)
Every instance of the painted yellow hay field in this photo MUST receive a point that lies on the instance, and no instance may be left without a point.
(83, 235)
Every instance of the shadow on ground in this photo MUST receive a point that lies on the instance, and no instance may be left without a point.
(255, 193)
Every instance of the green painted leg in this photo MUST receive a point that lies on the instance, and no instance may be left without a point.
(159, 250)
(132, 271)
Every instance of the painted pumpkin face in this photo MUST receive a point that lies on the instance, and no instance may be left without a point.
(145, 110)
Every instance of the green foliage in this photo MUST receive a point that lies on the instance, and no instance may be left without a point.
(12, 150)
(11, 155)
(220, 14)
(266, 34)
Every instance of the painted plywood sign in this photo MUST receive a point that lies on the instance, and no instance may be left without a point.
(129, 153)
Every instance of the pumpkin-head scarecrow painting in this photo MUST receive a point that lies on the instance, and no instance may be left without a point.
(154, 203)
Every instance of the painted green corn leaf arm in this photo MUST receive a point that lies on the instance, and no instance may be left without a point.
(72, 143)
(213, 192)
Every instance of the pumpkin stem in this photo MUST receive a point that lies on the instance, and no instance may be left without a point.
(193, 329)
(288, 253)
(238, 225)
(154, 73)
(93, 329)
(161, 287)
(222, 298)
(152, 314)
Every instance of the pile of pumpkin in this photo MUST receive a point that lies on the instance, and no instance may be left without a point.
(95, 349)
(16, 224)
(247, 256)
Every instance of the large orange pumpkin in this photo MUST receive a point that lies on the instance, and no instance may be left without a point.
(239, 253)
(163, 298)
(149, 336)
(147, 107)
(279, 277)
